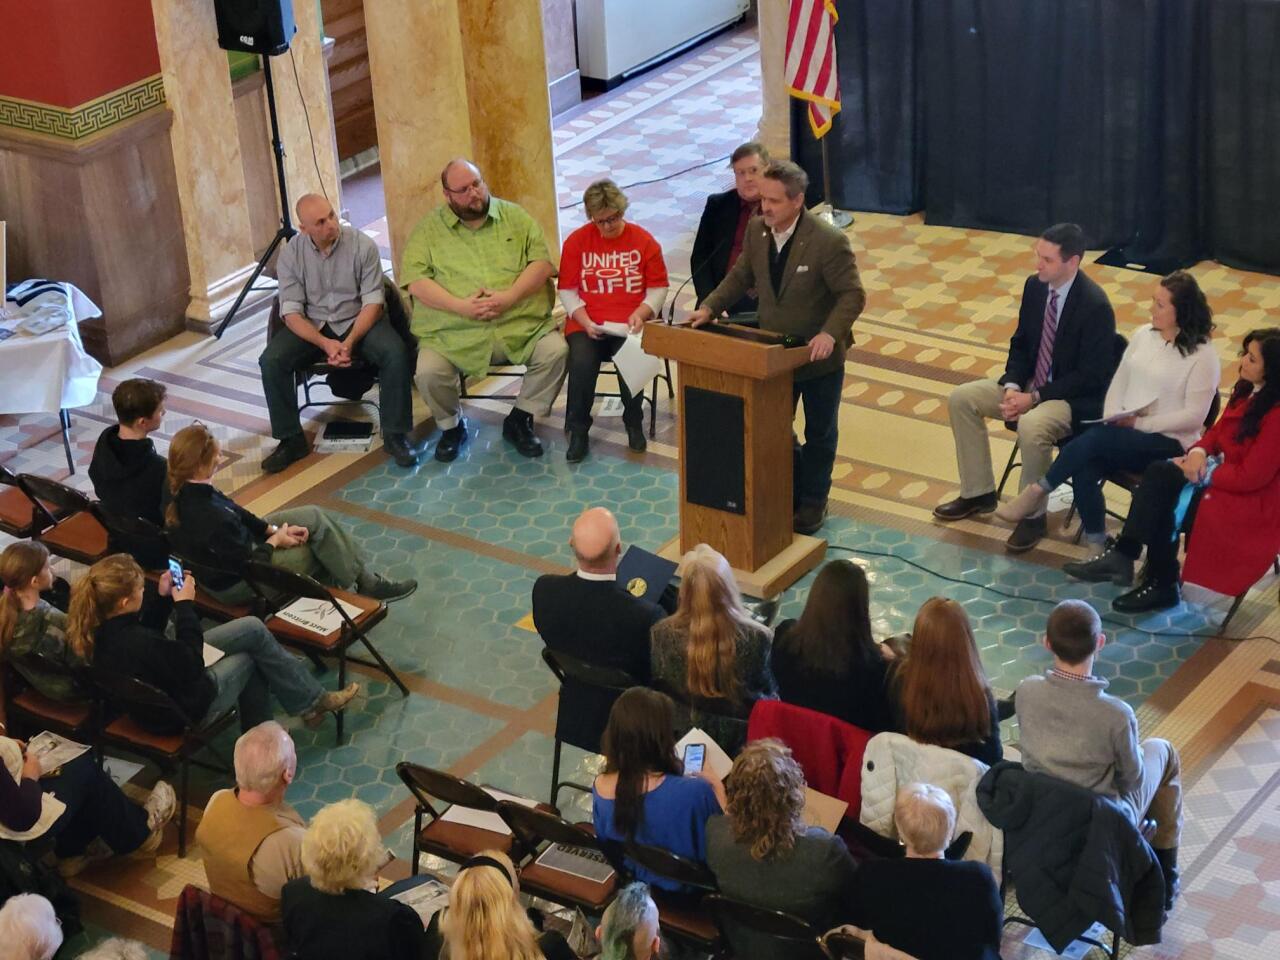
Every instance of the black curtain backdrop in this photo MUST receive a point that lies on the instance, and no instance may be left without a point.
(1242, 203)
(876, 148)
(1155, 124)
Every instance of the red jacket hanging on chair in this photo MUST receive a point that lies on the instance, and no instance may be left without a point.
(1236, 534)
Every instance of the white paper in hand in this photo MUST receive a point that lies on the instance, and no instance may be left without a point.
(635, 367)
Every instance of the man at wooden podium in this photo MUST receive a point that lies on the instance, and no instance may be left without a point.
(807, 278)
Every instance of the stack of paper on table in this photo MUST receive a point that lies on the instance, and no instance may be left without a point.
(483, 819)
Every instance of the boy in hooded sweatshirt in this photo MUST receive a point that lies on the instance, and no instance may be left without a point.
(128, 475)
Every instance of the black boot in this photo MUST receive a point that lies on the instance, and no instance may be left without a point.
(1168, 860)
(517, 429)
(1111, 565)
(1151, 594)
(578, 445)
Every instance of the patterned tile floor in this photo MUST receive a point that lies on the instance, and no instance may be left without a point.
(477, 532)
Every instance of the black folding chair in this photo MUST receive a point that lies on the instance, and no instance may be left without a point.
(285, 586)
(536, 831)
(18, 516)
(683, 916)
(577, 676)
(455, 842)
(782, 931)
(29, 711)
(133, 696)
(66, 524)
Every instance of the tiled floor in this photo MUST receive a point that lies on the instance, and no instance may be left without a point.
(476, 533)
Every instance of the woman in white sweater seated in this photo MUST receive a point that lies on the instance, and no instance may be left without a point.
(1169, 373)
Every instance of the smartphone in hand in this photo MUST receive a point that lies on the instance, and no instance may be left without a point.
(694, 755)
(175, 573)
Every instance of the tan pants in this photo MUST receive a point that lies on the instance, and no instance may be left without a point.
(437, 379)
(1159, 795)
(971, 405)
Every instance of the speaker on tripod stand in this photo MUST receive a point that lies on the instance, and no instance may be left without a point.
(264, 27)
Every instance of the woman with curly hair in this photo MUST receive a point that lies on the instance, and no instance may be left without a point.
(1225, 485)
(332, 913)
(1169, 373)
(763, 853)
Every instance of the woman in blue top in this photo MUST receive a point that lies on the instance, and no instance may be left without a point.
(643, 794)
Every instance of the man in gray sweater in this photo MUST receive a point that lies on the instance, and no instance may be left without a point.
(1071, 728)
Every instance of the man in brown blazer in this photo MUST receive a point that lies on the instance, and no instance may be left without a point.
(804, 271)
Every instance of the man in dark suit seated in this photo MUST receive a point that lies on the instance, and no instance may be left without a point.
(1061, 359)
(588, 615)
(723, 227)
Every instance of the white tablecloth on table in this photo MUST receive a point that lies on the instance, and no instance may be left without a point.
(49, 372)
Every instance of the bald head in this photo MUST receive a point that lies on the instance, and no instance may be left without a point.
(595, 541)
(465, 190)
(317, 220)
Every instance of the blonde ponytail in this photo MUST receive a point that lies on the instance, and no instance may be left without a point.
(20, 563)
(96, 595)
(194, 450)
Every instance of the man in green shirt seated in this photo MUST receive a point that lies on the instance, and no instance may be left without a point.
(479, 272)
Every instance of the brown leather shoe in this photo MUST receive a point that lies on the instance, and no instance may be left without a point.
(1027, 534)
(809, 517)
(962, 507)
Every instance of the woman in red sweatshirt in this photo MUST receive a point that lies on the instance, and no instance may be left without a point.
(611, 272)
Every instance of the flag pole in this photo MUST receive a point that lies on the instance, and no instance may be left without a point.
(840, 218)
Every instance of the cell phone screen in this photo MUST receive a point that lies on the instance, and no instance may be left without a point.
(693, 757)
(175, 573)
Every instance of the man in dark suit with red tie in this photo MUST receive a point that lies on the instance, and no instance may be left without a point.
(1061, 359)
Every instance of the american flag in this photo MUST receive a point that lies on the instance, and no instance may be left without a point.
(811, 60)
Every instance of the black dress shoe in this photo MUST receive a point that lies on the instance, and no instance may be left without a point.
(578, 446)
(518, 428)
(635, 437)
(1027, 534)
(809, 517)
(451, 442)
(398, 446)
(1111, 565)
(290, 451)
(962, 507)
(1148, 595)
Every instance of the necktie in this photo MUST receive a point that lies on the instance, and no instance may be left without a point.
(1044, 358)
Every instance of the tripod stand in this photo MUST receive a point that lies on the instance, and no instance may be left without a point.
(286, 230)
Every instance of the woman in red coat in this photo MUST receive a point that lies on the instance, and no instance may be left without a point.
(1228, 484)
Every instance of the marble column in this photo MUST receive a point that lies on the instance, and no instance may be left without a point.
(307, 54)
(416, 63)
(775, 114)
(206, 155)
(510, 105)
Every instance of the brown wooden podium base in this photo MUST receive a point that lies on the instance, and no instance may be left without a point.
(782, 571)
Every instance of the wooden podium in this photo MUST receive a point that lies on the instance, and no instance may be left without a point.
(736, 412)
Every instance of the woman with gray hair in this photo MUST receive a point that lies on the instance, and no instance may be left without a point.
(29, 929)
(629, 928)
(333, 913)
(611, 272)
(923, 904)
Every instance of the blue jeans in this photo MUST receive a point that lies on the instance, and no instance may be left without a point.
(812, 462)
(1101, 450)
(254, 668)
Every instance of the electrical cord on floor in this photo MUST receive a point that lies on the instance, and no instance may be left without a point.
(307, 114)
(1048, 601)
(669, 176)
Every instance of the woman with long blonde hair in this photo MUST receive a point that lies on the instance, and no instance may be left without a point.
(218, 537)
(107, 623)
(711, 650)
(30, 624)
(942, 693)
(485, 921)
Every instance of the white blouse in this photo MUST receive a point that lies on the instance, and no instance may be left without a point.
(1183, 387)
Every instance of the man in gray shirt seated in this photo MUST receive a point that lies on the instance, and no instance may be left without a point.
(331, 301)
(1072, 729)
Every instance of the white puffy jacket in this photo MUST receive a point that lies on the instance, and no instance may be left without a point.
(893, 760)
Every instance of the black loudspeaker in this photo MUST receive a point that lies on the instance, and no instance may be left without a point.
(255, 26)
(715, 473)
